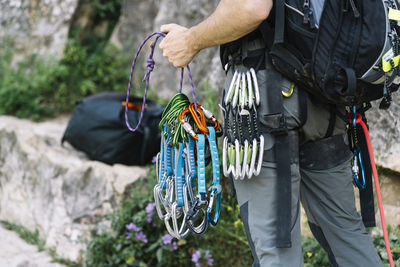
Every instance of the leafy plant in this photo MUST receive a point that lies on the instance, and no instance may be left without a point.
(139, 237)
(36, 88)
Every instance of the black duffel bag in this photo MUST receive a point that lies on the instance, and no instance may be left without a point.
(97, 127)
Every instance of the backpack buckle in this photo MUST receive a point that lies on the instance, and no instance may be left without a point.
(279, 125)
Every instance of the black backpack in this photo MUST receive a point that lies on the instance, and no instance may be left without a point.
(351, 57)
(97, 127)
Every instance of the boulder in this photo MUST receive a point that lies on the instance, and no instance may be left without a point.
(54, 188)
(139, 18)
(36, 27)
(15, 252)
(385, 132)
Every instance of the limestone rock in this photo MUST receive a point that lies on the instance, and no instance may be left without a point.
(390, 188)
(55, 189)
(15, 252)
(39, 27)
(141, 17)
(385, 133)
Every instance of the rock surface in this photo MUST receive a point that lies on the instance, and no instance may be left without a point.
(39, 27)
(390, 188)
(142, 17)
(385, 133)
(55, 189)
(15, 252)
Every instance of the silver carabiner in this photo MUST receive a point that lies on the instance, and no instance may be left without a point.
(182, 231)
(250, 87)
(260, 155)
(244, 164)
(250, 170)
(237, 172)
(228, 96)
(256, 89)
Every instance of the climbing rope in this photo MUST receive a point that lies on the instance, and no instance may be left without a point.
(357, 119)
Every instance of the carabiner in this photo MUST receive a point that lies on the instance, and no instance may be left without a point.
(237, 89)
(250, 87)
(182, 231)
(225, 157)
(229, 95)
(250, 171)
(192, 214)
(244, 164)
(237, 159)
(215, 191)
(256, 89)
(356, 170)
(243, 98)
(260, 149)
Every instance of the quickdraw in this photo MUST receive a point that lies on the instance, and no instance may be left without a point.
(189, 131)
(243, 145)
(187, 211)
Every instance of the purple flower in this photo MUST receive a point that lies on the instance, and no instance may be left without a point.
(150, 211)
(128, 235)
(140, 236)
(150, 207)
(174, 245)
(133, 227)
(167, 239)
(198, 264)
(196, 256)
(154, 160)
(208, 257)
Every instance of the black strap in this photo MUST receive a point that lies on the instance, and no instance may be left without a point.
(303, 107)
(367, 194)
(282, 153)
(267, 33)
(279, 22)
(351, 81)
(284, 191)
(332, 121)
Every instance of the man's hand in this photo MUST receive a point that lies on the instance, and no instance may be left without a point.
(231, 20)
(177, 46)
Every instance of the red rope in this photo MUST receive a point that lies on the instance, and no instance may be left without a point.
(377, 188)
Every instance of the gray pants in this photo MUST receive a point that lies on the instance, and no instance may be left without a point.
(327, 196)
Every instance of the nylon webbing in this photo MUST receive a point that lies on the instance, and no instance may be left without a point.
(367, 194)
(279, 21)
(282, 154)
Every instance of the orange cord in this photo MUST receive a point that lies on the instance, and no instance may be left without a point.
(133, 106)
(199, 119)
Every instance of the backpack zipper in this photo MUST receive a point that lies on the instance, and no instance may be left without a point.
(306, 9)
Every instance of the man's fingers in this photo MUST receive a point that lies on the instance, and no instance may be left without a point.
(166, 28)
(161, 45)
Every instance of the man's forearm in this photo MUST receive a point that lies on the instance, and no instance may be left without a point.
(231, 20)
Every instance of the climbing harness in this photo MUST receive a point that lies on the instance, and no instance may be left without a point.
(243, 145)
(354, 119)
(188, 141)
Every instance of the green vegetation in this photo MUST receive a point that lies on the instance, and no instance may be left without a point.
(121, 247)
(35, 88)
(124, 247)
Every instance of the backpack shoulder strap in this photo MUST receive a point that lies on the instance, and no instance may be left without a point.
(279, 22)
